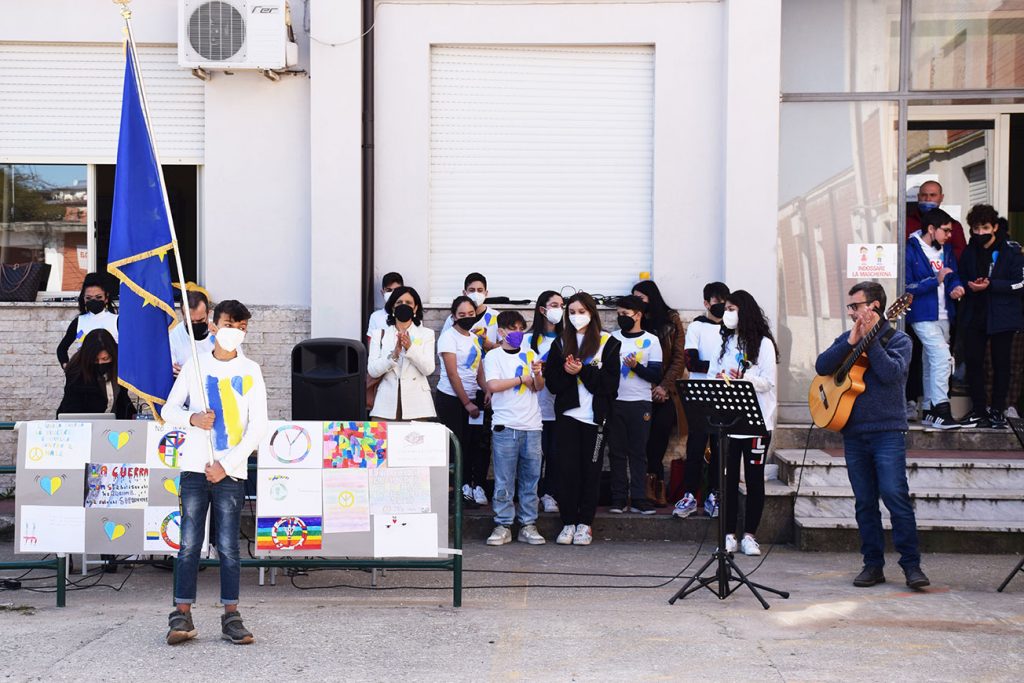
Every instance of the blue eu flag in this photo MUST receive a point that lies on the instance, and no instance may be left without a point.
(140, 239)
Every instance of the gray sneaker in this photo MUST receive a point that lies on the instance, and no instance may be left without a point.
(231, 628)
(529, 534)
(180, 627)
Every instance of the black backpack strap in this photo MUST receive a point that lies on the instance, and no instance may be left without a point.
(887, 337)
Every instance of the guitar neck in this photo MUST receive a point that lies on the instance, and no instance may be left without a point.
(860, 348)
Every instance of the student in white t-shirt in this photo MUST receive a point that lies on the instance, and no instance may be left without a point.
(379, 318)
(749, 353)
(547, 325)
(514, 377)
(630, 425)
(96, 311)
(486, 324)
(461, 354)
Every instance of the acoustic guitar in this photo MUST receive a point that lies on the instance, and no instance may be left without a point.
(831, 397)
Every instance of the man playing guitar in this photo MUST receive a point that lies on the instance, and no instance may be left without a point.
(874, 438)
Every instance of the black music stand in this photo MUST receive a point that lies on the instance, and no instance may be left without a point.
(1017, 425)
(725, 406)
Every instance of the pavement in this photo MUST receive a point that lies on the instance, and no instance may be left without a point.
(513, 626)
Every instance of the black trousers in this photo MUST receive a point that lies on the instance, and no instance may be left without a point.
(580, 471)
(915, 374)
(663, 422)
(974, 347)
(752, 453)
(548, 484)
(696, 442)
(628, 429)
(452, 414)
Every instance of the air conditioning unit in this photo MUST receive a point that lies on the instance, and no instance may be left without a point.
(235, 34)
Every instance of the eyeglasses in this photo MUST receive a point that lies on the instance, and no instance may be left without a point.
(856, 304)
(948, 231)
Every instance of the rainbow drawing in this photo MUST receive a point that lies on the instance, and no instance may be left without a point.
(289, 533)
(355, 444)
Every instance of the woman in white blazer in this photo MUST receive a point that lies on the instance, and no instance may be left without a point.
(403, 355)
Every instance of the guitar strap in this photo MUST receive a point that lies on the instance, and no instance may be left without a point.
(887, 337)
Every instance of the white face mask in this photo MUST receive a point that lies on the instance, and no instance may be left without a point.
(477, 298)
(579, 321)
(731, 319)
(229, 338)
(554, 315)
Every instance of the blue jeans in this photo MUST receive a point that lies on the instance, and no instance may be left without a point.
(937, 362)
(226, 498)
(877, 466)
(517, 458)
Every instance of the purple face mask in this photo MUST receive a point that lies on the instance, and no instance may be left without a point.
(514, 339)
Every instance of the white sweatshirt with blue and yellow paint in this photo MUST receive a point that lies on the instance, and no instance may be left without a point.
(237, 395)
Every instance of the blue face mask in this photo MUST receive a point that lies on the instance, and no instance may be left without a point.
(925, 207)
(514, 339)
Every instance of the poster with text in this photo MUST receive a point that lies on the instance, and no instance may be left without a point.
(57, 445)
(113, 485)
(167, 446)
(355, 444)
(871, 261)
(399, 489)
(417, 444)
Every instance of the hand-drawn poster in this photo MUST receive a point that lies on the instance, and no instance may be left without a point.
(292, 445)
(282, 492)
(163, 530)
(57, 445)
(417, 444)
(399, 490)
(355, 444)
(346, 501)
(51, 529)
(294, 534)
(167, 445)
(119, 441)
(405, 535)
(871, 261)
(114, 531)
(113, 485)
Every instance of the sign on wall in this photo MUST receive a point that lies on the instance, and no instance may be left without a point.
(871, 261)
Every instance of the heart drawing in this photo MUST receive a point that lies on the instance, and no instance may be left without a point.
(50, 485)
(113, 530)
(119, 439)
(173, 486)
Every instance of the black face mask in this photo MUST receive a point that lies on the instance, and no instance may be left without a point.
(466, 323)
(403, 313)
(980, 240)
(200, 330)
(717, 310)
(104, 368)
(625, 322)
(95, 306)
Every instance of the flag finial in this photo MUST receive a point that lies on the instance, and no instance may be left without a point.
(125, 12)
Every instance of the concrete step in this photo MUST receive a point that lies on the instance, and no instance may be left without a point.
(918, 438)
(839, 534)
(925, 469)
(993, 506)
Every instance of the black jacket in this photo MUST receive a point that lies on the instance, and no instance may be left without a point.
(602, 382)
(81, 396)
(1000, 304)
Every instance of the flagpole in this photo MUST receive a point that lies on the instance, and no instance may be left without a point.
(186, 315)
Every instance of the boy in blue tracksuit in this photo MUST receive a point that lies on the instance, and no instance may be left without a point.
(931, 276)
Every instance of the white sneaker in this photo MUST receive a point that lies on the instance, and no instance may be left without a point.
(1011, 412)
(685, 507)
(500, 536)
(549, 503)
(529, 534)
(749, 545)
(731, 545)
(479, 496)
(566, 534)
(583, 535)
(467, 491)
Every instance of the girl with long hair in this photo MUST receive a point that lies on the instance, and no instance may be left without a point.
(90, 384)
(547, 324)
(402, 356)
(96, 310)
(749, 353)
(582, 371)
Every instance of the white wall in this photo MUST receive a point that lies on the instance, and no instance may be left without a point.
(688, 121)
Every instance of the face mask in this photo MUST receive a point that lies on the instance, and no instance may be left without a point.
(200, 329)
(925, 207)
(514, 339)
(579, 321)
(95, 306)
(104, 368)
(465, 323)
(554, 315)
(625, 322)
(403, 313)
(731, 319)
(229, 338)
(980, 240)
(716, 310)
(477, 298)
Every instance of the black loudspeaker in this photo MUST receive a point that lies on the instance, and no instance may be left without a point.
(329, 380)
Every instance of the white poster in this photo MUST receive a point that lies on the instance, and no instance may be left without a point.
(871, 261)
(293, 445)
(346, 500)
(405, 535)
(51, 529)
(167, 445)
(417, 444)
(163, 530)
(399, 490)
(57, 445)
(288, 493)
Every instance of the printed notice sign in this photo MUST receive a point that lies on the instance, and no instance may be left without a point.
(871, 261)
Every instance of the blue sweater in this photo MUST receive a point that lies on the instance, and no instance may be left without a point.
(924, 285)
(882, 407)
